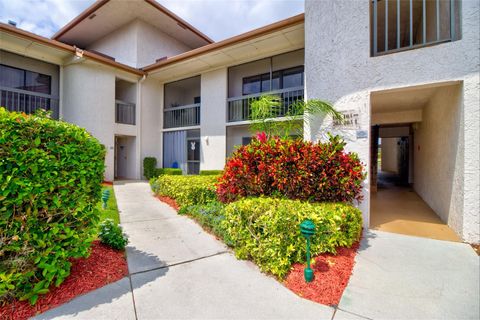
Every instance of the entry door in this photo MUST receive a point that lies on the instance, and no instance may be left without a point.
(193, 155)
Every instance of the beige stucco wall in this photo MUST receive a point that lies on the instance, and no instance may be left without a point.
(120, 44)
(339, 69)
(89, 101)
(439, 156)
(151, 116)
(138, 44)
(213, 117)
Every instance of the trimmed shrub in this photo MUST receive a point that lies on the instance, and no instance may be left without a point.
(168, 171)
(149, 165)
(186, 190)
(211, 172)
(266, 230)
(293, 169)
(210, 215)
(50, 177)
(112, 235)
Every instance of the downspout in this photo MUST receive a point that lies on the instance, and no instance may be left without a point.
(138, 122)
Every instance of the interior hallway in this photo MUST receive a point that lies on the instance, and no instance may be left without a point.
(399, 209)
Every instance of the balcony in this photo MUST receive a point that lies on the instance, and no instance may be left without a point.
(399, 25)
(182, 103)
(239, 107)
(183, 116)
(124, 112)
(27, 101)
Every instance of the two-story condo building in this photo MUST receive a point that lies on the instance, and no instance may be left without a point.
(146, 83)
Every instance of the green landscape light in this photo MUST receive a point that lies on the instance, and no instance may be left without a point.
(105, 197)
(307, 228)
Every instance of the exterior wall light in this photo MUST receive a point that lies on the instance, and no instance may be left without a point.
(307, 229)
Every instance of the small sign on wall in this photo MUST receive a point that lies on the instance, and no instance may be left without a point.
(350, 120)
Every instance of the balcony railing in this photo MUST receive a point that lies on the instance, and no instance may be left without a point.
(183, 116)
(124, 112)
(239, 107)
(27, 101)
(399, 25)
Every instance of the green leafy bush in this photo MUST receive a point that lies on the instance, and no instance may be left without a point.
(186, 190)
(168, 171)
(112, 235)
(149, 165)
(50, 184)
(266, 230)
(211, 172)
(209, 215)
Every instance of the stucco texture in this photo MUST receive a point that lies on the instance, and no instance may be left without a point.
(339, 68)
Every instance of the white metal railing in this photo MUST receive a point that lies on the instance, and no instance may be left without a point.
(27, 101)
(183, 116)
(239, 107)
(404, 36)
(124, 112)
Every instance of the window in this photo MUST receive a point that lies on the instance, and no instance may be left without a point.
(282, 79)
(16, 78)
(397, 25)
(292, 78)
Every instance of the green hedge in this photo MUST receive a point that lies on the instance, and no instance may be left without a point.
(210, 215)
(266, 230)
(50, 183)
(168, 171)
(186, 190)
(211, 172)
(149, 165)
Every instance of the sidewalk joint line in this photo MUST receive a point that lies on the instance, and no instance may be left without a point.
(355, 314)
(178, 263)
(133, 297)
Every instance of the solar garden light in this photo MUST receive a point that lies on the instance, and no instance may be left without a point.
(307, 229)
(105, 197)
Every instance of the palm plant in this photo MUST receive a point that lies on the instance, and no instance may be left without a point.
(265, 111)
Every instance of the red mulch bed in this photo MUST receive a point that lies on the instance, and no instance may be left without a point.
(171, 202)
(332, 273)
(104, 266)
(107, 183)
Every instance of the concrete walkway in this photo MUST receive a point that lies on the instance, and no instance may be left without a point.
(177, 271)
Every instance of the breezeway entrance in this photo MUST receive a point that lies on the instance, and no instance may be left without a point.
(415, 181)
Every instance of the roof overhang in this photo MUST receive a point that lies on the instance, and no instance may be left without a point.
(106, 16)
(283, 36)
(34, 46)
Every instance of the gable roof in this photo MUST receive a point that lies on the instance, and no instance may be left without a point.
(104, 16)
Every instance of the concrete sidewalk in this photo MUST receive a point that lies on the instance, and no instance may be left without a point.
(406, 277)
(178, 271)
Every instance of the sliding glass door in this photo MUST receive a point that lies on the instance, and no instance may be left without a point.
(181, 149)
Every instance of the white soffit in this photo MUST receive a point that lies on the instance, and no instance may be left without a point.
(116, 13)
(28, 48)
(285, 40)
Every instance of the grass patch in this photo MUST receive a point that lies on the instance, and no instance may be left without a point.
(111, 212)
